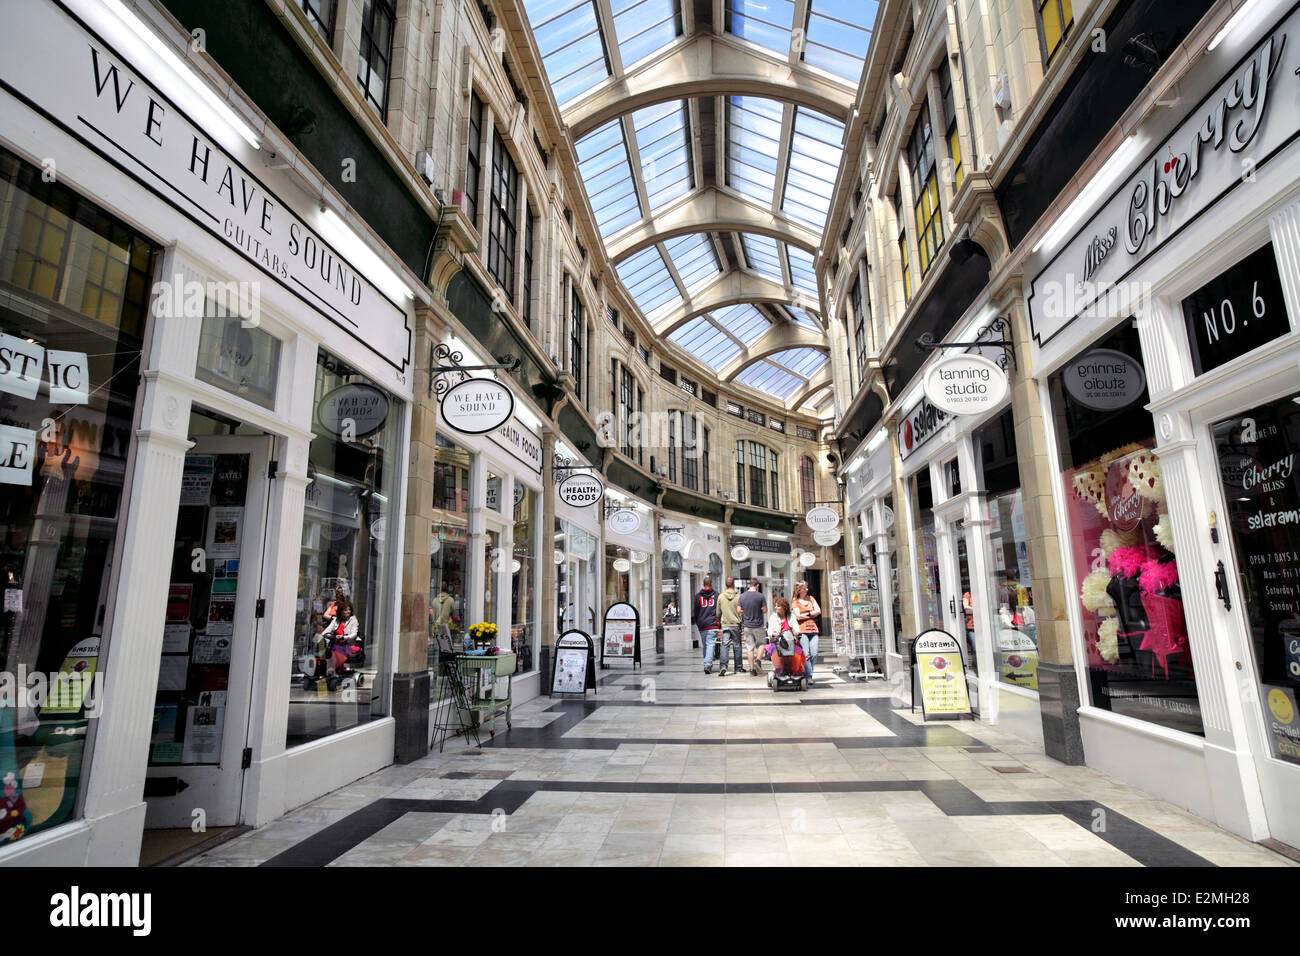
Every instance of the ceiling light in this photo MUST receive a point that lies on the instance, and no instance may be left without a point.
(1101, 181)
(184, 71)
(353, 248)
(1233, 22)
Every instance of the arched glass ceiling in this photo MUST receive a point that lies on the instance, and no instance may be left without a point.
(802, 318)
(814, 163)
(802, 275)
(766, 22)
(607, 176)
(839, 32)
(783, 374)
(717, 337)
(663, 146)
(646, 277)
(645, 27)
(694, 259)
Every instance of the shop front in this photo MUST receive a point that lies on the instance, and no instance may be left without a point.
(579, 564)
(690, 551)
(629, 559)
(190, 393)
(1171, 367)
(766, 557)
(874, 540)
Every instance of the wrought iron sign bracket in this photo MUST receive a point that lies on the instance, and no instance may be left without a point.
(444, 376)
(1000, 325)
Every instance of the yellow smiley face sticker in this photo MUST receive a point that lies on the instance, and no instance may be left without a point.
(1280, 705)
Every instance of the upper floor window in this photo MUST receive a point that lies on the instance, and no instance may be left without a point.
(775, 474)
(1055, 19)
(740, 471)
(321, 15)
(503, 206)
(858, 304)
(848, 341)
(807, 483)
(757, 474)
(474, 158)
(690, 451)
(376, 52)
(526, 296)
(626, 411)
(903, 262)
(950, 121)
(925, 190)
(577, 336)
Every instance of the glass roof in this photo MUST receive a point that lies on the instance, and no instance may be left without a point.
(706, 342)
(839, 32)
(765, 22)
(743, 321)
(664, 149)
(573, 51)
(801, 270)
(814, 163)
(753, 142)
(783, 373)
(800, 361)
(803, 318)
(644, 27)
(694, 258)
(648, 280)
(607, 177)
(762, 256)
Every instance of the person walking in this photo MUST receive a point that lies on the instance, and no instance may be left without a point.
(704, 615)
(806, 612)
(753, 608)
(729, 618)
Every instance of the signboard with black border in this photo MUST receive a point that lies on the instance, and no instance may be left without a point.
(1236, 312)
(574, 655)
(621, 634)
(944, 663)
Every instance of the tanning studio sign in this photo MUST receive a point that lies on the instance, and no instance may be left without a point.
(1247, 118)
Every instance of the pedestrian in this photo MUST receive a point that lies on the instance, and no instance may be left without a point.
(729, 618)
(806, 612)
(704, 615)
(753, 609)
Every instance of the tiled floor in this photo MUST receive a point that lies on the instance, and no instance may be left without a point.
(669, 767)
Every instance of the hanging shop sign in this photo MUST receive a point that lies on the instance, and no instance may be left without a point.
(1104, 379)
(1236, 312)
(807, 559)
(740, 553)
(1238, 128)
(581, 490)
(822, 518)
(828, 539)
(639, 557)
(522, 443)
(621, 636)
(888, 514)
(622, 565)
(864, 549)
(477, 406)
(941, 672)
(921, 424)
(965, 384)
(574, 671)
(760, 545)
(674, 541)
(57, 65)
(353, 411)
(624, 521)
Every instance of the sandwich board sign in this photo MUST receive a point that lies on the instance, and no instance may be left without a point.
(574, 668)
(622, 634)
(939, 668)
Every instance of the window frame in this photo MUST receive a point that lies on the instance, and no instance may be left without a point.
(368, 48)
(1066, 27)
(326, 30)
(807, 482)
(503, 211)
(952, 136)
(474, 157)
(926, 206)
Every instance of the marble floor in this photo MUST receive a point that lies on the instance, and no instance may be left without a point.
(669, 767)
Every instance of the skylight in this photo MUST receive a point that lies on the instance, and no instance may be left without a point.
(573, 51)
(664, 149)
(839, 32)
(803, 318)
(753, 142)
(803, 362)
(648, 280)
(762, 256)
(814, 162)
(607, 177)
(644, 27)
(769, 378)
(765, 22)
(706, 342)
(693, 257)
(743, 321)
(801, 270)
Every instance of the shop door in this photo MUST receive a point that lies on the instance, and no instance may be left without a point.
(1259, 468)
(960, 606)
(201, 710)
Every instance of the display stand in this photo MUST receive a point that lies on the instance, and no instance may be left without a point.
(621, 635)
(855, 618)
(574, 667)
(939, 676)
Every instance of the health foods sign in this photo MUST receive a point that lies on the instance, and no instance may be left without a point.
(1235, 130)
(80, 83)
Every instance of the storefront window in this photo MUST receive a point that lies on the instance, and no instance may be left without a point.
(670, 589)
(448, 564)
(928, 597)
(345, 555)
(1257, 454)
(891, 530)
(62, 471)
(1135, 638)
(575, 552)
(493, 492)
(493, 566)
(1010, 588)
(523, 587)
(618, 574)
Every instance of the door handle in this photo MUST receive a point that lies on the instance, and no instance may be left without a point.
(952, 606)
(1221, 585)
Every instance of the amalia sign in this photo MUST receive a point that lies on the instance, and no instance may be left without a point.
(822, 518)
(965, 384)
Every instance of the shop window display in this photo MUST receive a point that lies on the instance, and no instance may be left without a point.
(345, 554)
(523, 587)
(1135, 637)
(670, 588)
(448, 560)
(929, 599)
(73, 292)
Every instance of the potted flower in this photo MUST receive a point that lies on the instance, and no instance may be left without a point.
(484, 635)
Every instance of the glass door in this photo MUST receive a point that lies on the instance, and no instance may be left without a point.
(209, 641)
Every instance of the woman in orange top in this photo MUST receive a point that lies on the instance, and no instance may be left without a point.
(806, 612)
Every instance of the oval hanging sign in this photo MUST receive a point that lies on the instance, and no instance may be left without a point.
(822, 518)
(622, 565)
(965, 385)
(829, 538)
(674, 541)
(1105, 380)
(355, 410)
(807, 559)
(740, 553)
(864, 549)
(581, 491)
(623, 521)
(477, 406)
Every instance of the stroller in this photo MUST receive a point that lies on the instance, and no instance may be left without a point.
(787, 664)
(319, 664)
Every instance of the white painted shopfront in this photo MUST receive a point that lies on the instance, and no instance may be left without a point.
(699, 552)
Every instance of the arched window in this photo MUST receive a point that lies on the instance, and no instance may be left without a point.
(807, 483)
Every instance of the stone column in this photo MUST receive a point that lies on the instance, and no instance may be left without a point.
(1058, 683)
(411, 679)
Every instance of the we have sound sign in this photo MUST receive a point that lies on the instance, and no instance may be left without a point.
(76, 80)
(1248, 117)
